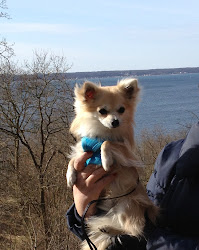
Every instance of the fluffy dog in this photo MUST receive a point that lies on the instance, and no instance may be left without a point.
(107, 113)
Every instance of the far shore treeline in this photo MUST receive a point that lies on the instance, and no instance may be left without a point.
(126, 73)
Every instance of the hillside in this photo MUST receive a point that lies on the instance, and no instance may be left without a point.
(118, 73)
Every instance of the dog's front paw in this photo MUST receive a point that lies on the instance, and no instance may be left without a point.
(106, 156)
(71, 175)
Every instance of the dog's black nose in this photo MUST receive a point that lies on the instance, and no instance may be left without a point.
(115, 123)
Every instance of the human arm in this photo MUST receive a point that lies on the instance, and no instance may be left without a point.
(91, 180)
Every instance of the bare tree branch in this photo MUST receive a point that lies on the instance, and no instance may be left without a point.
(35, 111)
(3, 6)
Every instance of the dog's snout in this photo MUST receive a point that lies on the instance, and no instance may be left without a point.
(115, 123)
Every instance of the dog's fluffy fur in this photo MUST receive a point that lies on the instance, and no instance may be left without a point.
(108, 113)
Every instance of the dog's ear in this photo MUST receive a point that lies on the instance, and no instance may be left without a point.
(88, 91)
(129, 87)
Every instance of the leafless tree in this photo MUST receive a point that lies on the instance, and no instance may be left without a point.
(6, 50)
(35, 110)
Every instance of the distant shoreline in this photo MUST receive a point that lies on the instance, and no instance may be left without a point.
(127, 73)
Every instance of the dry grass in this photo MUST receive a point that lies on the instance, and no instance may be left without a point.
(20, 213)
(150, 144)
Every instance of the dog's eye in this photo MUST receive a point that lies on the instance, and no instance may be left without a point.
(103, 111)
(121, 110)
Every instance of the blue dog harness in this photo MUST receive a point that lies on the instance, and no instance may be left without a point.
(94, 145)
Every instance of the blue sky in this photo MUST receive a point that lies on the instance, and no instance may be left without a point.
(106, 34)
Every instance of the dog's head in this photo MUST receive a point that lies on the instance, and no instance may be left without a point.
(101, 109)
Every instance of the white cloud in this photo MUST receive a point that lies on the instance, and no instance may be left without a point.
(44, 28)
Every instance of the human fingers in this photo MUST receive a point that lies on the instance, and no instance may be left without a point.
(80, 161)
(105, 181)
(85, 173)
(95, 174)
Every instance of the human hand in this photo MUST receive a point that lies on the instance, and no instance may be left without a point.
(91, 180)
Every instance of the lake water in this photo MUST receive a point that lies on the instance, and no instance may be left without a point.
(167, 101)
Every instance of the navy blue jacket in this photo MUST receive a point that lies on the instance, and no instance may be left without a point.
(174, 186)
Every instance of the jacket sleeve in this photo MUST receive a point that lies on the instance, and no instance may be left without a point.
(124, 242)
(163, 239)
(164, 172)
(74, 222)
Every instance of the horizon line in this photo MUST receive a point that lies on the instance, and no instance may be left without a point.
(97, 71)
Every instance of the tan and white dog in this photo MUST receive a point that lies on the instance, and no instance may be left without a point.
(108, 113)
